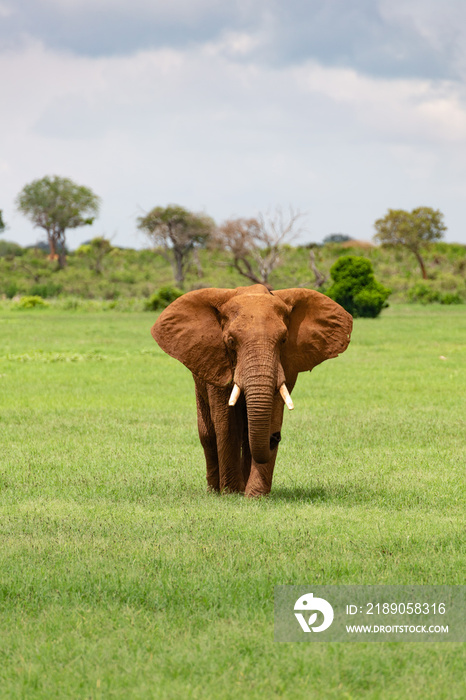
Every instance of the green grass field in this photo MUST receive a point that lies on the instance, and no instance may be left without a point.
(120, 577)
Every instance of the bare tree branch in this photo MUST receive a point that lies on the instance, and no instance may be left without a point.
(255, 243)
(320, 279)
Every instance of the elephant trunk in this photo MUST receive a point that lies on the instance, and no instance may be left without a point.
(259, 402)
(259, 379)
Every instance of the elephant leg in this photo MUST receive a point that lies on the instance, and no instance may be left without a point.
(207, 437)
(260, 479)
(228, 422)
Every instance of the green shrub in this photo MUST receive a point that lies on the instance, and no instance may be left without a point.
(30, 302)
(423, 293)
(448, 282)
(11, 290)
(370, 301)
(49, 289)
(449, 298)
(71, 303)
(8, 248)
(111, 293)
(123, 276)
(162, 298)
(355, 287)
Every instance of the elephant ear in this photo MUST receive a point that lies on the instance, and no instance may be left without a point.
(189, 330)
(319, 329)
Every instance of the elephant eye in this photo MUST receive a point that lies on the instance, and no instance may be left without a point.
(231, 342)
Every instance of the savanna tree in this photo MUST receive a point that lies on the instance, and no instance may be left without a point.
(176, 233)
(95, 251)
(2, 223)
(56, 204)
(255, 243)
(414, 230)
(337, 238)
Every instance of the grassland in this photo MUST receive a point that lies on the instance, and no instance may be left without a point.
(120, 577)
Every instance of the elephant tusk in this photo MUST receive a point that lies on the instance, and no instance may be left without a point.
(285, 394)
(234, 395)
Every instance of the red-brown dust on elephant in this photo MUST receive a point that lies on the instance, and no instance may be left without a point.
(245, 348)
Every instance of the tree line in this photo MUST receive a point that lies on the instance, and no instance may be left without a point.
(56, 204)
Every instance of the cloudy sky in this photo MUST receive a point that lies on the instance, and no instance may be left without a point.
(339, 108)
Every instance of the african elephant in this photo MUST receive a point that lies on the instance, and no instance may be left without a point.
(245, 348)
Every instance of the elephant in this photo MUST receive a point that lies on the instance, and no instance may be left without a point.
(245, 348)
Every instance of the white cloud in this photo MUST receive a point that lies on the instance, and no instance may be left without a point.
(399, 110)
(5, 10)
(208, 131)
(235, 44)
(378, 37)
(442, 25)
(161, 9)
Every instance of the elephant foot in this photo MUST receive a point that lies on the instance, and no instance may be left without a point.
(256, 488)
(260, 481)
(225, 490)
(251, 494)
(228, 490)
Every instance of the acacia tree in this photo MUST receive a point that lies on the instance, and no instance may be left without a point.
(176, 232)
(2, 223)
(57, 204)
(255, 243)
(95, 251)
(336, 238)
(414, 230)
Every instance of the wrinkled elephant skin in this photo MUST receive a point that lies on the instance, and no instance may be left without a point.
(256, 341)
